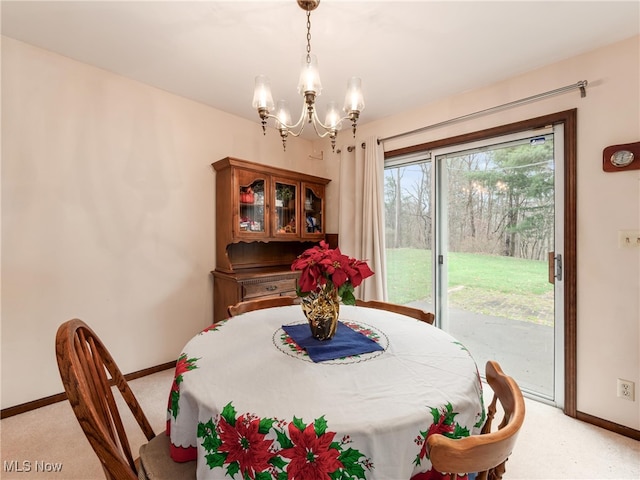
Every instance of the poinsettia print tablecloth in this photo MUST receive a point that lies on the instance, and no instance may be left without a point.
(248, 403)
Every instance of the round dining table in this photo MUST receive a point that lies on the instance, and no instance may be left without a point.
(247, 401)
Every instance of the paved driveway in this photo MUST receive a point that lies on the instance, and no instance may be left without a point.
(523, 349)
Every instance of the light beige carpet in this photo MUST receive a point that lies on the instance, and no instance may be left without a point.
(550, 446)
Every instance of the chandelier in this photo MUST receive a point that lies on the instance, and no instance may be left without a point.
(309, 87)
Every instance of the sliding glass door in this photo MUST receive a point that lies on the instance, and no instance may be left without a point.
(409, 216)
(470, 229)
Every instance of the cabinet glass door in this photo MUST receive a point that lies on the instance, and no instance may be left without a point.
(286, 213)
(313, 211)
(251, 203)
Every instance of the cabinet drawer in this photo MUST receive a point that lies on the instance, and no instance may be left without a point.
(273, 287)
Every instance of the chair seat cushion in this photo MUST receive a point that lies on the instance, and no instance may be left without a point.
(156, 463)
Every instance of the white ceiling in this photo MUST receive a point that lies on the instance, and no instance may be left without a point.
(408, 53)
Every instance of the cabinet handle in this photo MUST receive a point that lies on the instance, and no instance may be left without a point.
(271, 288)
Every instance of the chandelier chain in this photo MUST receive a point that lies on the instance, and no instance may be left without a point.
(308, 36)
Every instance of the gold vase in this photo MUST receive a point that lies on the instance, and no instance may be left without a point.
(322, 308)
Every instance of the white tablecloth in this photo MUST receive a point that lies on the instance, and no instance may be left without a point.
(247, 401)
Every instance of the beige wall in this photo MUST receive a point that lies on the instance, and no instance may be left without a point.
(108, 212)
(108, 195)
(608, 303)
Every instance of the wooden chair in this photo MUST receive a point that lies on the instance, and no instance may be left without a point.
(413, 312)
(259, 303)
(88, 373)
(488, 452)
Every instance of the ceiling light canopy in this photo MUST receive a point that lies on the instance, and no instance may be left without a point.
(310, 87)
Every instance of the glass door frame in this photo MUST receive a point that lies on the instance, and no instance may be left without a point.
(568, 119)
(440, 282)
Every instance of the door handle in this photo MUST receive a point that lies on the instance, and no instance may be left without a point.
(558, 274)
(555, 267)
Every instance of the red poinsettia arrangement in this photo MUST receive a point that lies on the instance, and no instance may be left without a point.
(324, 267)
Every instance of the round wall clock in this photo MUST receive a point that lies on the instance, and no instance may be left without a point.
(617, 158)
(621, 158)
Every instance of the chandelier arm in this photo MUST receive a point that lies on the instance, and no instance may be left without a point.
(299, 124)
(331, 132)
(326, 127)
(301, 120)
(322, 135)
(294, 134)
(316, 121)
(287, 128)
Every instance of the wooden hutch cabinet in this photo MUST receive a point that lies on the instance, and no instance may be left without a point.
(265, 217)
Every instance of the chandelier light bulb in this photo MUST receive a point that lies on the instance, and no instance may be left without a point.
(354, 100)
(309, 76)
(262, 98)
(283, 117)
(333, 119)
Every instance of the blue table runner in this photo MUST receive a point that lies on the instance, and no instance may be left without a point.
(346, 342)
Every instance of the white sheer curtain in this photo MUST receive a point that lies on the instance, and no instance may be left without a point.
(361, 223)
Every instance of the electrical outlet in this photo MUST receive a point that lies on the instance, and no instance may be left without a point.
(626, 389)
(629, 238)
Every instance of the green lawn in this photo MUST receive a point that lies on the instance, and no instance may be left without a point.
(494, 285)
